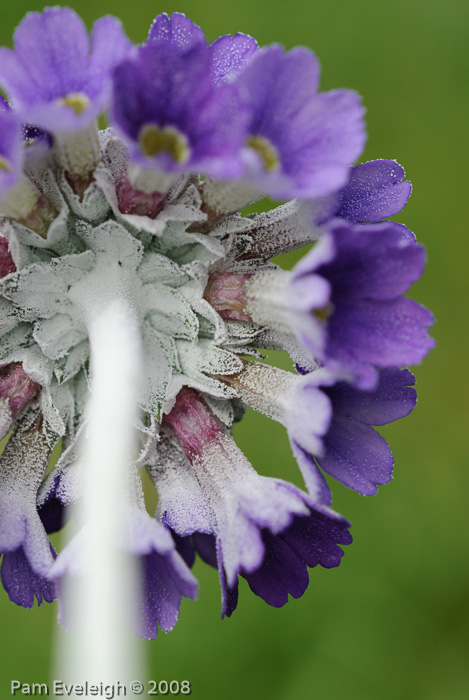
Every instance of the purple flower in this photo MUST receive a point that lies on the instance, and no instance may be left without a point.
(347, 304)
(11, 150)
(353, 452)
(165, 576)
(54, 78)
(27, 553)
(300, 143)
(172, 116)
(264, 529)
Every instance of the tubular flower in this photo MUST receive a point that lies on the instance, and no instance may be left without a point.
(136, 229)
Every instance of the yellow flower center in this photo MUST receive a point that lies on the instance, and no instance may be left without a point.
(324, 313)
(5, 164)
(76, 101)
(154, 140)
(267, 151)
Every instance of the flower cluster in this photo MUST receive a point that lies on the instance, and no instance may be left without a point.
(148, 211)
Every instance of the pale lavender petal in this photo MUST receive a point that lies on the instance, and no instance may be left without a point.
(230, 55)
(178, 30)
(314, 479)
(11, 151)
(109, 46)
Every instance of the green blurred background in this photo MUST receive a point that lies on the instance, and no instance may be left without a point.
(392, 621)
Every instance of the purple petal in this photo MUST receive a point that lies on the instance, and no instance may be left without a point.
(381, 333)
(229, 595)
(52, 515)
(315, 539)
(229, 56)
(21, 583)
(309, 541)
(356, 455)
(52, 47)
(109, 46)
(392, 398)
(184, 548)
(178, 30)
(281, 573)
(375, 190)
(210, 551)
(161, 596)
(205, 546)
(379, 261)
(11, 152)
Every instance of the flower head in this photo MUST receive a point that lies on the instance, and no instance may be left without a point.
(125, 264)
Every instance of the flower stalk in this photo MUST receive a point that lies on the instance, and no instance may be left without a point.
(99, 650)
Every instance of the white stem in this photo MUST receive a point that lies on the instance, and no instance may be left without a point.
(99, 650)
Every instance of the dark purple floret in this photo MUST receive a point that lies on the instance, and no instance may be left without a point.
(354, 453)
(173, 117)
(55, 77)
(308, 542)
(364, 321)
(300, 143)
(21, 583)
